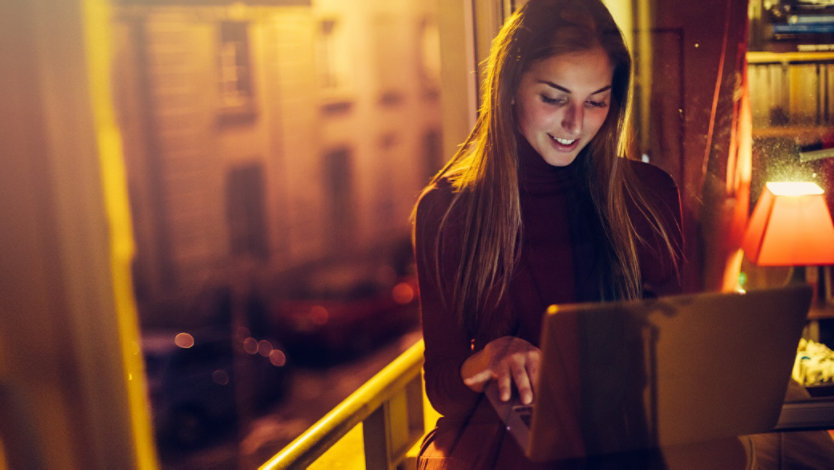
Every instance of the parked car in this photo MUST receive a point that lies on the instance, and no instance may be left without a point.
(200, 382)
(343, 308)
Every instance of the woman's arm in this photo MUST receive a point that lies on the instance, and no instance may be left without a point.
(456, 374)
(447, 344)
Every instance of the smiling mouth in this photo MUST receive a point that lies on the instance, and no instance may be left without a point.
(562, 141)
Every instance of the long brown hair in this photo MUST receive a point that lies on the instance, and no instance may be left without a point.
(483, 171)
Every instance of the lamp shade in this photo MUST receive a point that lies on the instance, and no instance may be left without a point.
(790, 226)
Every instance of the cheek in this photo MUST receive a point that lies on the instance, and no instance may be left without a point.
(525, 118)
(595, 119)
(536, 117)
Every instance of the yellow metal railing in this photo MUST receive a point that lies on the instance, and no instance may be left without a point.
(389, 410)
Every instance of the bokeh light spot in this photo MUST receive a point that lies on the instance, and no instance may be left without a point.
(403, 293)
(220, 377)
(277, 358)
(250, 345)
(264, 348)
(184, 340)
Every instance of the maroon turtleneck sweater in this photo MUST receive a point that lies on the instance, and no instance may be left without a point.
(563, 260)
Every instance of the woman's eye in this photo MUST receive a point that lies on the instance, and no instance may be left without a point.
(596, 104)
(550, 100)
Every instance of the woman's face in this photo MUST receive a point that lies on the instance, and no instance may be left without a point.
(562, 102)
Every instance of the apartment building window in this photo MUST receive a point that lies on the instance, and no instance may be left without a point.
(333, 57)
(338, 180)
(235, 71)
(429, 56)
(245, 211)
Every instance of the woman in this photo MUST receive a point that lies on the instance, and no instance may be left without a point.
(537, 207)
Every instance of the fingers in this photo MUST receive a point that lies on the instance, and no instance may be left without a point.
(522, 381)
(533, 366)
(505, 385)
(519, 369)
(510, 361)
(477, 381)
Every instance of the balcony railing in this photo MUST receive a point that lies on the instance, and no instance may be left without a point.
(384, 418)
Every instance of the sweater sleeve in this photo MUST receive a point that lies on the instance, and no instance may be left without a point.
(447, 345)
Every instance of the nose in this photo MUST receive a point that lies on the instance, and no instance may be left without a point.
(573, 118)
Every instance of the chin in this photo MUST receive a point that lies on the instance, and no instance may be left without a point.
(559, 160)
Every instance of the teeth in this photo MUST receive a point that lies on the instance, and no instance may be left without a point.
(563, 141)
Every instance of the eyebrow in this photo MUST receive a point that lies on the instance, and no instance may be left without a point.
(561, 88)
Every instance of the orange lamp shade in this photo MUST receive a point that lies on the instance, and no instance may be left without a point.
(790, 226)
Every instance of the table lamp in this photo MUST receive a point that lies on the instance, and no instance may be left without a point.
(790, 226)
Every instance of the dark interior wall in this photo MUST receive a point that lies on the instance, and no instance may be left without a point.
(705, 77)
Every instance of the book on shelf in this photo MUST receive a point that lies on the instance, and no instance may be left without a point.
(815, 47)
(811, 19)
(804, 28)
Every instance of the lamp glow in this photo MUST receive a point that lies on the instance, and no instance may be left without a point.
(794, 188)
(790, 226)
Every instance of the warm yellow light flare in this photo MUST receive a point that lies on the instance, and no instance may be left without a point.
(97, 40)
(794, 188)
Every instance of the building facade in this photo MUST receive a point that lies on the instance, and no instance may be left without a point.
(272, 134)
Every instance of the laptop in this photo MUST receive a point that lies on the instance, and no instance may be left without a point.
(623, 376)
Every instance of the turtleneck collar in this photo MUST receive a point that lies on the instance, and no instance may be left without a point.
(535, 175)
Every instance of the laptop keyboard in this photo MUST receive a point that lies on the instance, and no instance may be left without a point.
(525, 412)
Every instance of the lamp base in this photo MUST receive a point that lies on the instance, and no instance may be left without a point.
(799, 275)
(813, 276)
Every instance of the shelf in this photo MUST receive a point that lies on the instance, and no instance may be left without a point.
(802, 135)
(770, 57)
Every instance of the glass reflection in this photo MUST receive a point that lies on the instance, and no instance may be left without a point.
(273, 152)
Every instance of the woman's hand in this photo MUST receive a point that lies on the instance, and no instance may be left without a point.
(508, 360)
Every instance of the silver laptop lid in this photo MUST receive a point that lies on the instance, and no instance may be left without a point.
(630, 375)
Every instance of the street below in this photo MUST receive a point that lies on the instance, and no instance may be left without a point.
(312, 393)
